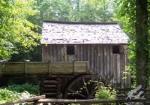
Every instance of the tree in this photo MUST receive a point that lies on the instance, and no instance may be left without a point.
(76, 10)
(16, 31)
(142, 47)
(133, 15)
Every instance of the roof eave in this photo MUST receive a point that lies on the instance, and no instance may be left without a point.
(73, 22)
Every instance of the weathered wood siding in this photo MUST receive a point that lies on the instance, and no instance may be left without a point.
(108, 66)
(54, 53)
(38, 68)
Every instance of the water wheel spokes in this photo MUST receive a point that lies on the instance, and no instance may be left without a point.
(80, 88)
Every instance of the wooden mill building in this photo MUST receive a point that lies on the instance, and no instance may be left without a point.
(102, 45)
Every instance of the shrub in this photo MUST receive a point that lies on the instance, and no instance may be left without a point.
(32, 89)
(105, 92)
(15, 92)
(7, 95)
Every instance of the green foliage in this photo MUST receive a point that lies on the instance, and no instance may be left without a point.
(33, 89)
(15, 92)
(95, 10)
(76, 10)
(126, 14)
(105, 92)
(32, 55)
(15, 29)
(7, 95)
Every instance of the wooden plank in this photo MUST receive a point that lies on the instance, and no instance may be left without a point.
(118, 69)
(114, 69)
(54, 54)
(65, 53)
(36, 68)
(111, 62)
(88, 57)
(62, 68)
(85, 53)
(14, 68)
(92, 57)
(43, 59)
(95, 57)
(57, 53)
(101, 61)
(80, 67)
(62, 53)
(49, 52)
(107, 64)
(81, 53)
(90, 101)
(122, 67)
(77, 52)
(46, 53)
(104, 60)
(97, 61)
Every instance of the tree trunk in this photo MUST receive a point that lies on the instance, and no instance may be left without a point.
(141, 42)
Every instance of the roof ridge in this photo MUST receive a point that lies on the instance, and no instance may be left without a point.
(73, 22)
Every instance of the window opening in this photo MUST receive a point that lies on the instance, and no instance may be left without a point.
(116, 50)
(70, 50)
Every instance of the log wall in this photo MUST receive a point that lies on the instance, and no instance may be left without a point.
(108, 66)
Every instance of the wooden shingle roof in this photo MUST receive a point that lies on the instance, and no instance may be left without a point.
(82, 33)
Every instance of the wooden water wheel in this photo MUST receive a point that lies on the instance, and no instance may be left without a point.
(81, 87)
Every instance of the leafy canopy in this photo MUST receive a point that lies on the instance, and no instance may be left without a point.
(15, 28)
(76, 10)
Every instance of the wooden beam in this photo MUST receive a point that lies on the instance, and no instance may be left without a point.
(89, 101)
(32, 99)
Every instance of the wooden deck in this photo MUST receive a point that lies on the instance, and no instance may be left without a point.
(38, 68)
